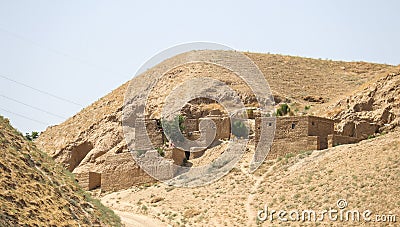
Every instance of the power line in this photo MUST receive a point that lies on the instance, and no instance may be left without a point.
(41, 91)
(33, 107)
(55, 51)
(23, 116)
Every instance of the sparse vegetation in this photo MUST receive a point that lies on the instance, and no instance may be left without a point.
(42, 181)
(250, 113)
(160, 151)
(174, 128)
(283, 110)
(239, 129)
(32, 136)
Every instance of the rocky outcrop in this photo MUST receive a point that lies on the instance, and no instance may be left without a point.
(373, 109)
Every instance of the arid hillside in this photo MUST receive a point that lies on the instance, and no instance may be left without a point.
(377, 101)
(36, 191)
(309, 80)
(86, 139)
(366, 175)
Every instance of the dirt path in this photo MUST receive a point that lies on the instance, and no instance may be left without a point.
(136, 220)
(252, 214)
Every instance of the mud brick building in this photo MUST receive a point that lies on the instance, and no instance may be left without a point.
(292, 135)
(301, 133)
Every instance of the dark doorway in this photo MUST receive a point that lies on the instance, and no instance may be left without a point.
(187, 155)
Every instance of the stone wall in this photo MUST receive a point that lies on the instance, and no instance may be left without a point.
(121, 172)
(194, 135)
(346, 128)
(359, 129)
(77, 154)
(175, 154)
(291, 127)
(88, 180)
(197, 152)
(318, 126)
(223, 127)
(334, 140)
(364, 129)
(154, 137)
(159, 167)
(295, 134)
(321, 127)
(258, 124)
(191, 125)
(155, 133)
(285, 146)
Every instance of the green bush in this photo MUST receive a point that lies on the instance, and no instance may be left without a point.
(283, 110)
(289, 155)
(239, 129)
(28, 136)
(250, 113)
(170, 128)
(160, 151)
(31, 136)
(35, 135)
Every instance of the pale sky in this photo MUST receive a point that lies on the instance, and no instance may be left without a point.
(81, 50)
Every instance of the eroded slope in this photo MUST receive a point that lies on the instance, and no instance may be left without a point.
(35, 191)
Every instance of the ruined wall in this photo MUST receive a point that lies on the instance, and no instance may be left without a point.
(175, 154)
(295, 134)
(88, 180)
(318, 126)
(194, 135)
(154, 132)
(154, 137)
(197, 152)
(157, 166)
(334, 140)
(121, 172)
(191, 125)
(223, 126)
(364, 129)
(321, 127)
(346, 128)
(224, 131)
(268, 122)
(282, 147)
(291, 127)
(359, 129)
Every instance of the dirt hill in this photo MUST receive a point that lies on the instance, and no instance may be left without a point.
(314, 81)
(36, 191)
(85, 140)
